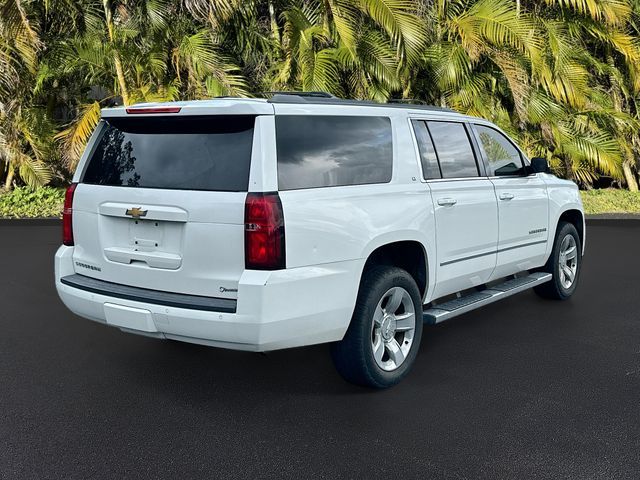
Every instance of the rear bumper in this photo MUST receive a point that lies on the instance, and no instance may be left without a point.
(274, 310)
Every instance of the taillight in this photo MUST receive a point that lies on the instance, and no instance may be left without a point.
(263, 232)
(146, 110)
(67, 216)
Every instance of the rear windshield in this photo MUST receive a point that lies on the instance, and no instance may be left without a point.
(187, 153)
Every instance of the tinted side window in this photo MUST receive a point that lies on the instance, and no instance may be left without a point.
(503, 157)
(430, 168)
(327, 151)
(190, 153)
(454, 149)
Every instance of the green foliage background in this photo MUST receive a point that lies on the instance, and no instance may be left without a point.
(24, 202)
(609, 200)
(561, 76)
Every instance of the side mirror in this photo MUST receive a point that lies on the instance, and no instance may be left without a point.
(539, 165)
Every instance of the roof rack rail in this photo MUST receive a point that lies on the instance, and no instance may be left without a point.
(323, 98)
(311, 94)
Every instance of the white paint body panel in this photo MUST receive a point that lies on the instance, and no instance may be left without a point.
(329, 232)
(280, 309)
(466, 232)
(523, 213)
(563, 196)
(196, 247)
(128, 317)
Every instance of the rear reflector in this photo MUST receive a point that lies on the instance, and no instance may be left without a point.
(67, 216)
(263, 232)
(146, 110)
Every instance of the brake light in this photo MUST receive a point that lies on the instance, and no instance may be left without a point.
(67, 216)
(135, 110)
(263, 232)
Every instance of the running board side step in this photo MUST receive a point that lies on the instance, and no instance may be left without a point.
(458, 306)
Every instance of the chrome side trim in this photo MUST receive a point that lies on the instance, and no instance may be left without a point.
(500, 250)
(470, 257)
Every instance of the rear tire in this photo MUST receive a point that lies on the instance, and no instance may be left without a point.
(564, 264)
(383, 338)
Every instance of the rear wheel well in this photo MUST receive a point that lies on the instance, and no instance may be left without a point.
(408, 255)
(575, 218)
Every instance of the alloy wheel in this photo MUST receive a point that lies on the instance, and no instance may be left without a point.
(568, 261)
(393, 328)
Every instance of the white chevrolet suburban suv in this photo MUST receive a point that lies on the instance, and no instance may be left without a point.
(257, 224)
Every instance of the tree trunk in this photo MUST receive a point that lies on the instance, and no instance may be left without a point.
(9, 179)
(568, 168)
(108, 17)
(121, 80)
(275, 31)
(632, 184)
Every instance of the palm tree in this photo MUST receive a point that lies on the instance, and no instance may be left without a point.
(530, 68)
(343, 47)
(24, 128)
(142, 52)
(361, 49)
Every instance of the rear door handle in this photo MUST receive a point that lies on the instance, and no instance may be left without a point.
(447, 202)
(506, 196)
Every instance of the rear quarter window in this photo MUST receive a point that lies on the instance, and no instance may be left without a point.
(327, 151)
(189, 153)
(453, 149)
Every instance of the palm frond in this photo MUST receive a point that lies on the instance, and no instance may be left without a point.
(376, 57)
(584, 172)
(601, 151)
(541, 108)
(398, 19)
(322, 74)
(608, 11)
(451, 63)
(33, 172)
(495, 22)
(74, 138)
(16, 30)
(346, 22)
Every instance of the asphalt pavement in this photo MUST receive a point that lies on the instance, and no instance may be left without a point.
(522, 389)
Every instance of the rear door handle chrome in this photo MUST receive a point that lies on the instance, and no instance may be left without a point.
(447, 202)
(506, 196)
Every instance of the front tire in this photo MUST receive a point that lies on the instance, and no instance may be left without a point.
(383, 338)
(564, 264)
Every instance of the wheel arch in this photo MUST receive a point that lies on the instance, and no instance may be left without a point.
(409, 254)
(575, 217)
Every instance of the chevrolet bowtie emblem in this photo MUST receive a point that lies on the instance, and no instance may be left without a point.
(136, 212)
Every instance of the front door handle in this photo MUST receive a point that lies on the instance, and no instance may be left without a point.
(447, 202)
(506, 196)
